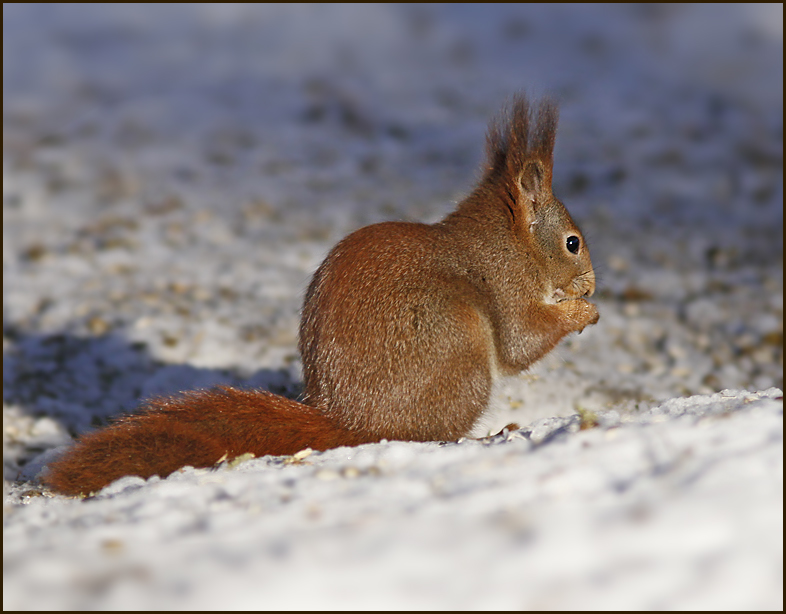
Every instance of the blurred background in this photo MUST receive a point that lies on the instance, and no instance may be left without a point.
(255, 95)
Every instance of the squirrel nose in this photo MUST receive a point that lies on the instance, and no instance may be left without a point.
(589, 280)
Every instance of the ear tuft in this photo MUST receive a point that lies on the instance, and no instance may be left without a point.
(519, 137)
(542, 145)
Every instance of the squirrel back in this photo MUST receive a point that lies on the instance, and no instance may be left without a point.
(404, 328)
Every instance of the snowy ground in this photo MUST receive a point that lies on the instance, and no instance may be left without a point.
(172, 175)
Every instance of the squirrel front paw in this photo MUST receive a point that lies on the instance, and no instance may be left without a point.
(589, 313)
(580, 313)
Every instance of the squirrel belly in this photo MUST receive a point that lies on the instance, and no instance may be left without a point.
(404, 326)
(196, 428)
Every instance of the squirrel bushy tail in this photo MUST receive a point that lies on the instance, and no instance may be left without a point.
(196, 428)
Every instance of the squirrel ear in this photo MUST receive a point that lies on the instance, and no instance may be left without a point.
(532, 181)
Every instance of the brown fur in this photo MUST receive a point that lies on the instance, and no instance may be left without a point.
(404, 328)
(196, 428)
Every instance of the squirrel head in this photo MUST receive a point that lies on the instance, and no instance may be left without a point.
(558, 245)
(514, 201)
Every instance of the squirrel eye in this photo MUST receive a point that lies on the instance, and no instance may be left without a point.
(572, 243)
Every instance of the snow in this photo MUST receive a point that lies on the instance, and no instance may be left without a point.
(172, 175)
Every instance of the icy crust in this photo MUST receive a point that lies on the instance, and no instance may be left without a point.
(677, 507)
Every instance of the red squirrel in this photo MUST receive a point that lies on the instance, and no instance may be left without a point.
(404, 327)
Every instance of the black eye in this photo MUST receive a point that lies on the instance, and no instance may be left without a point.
(573, 243)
